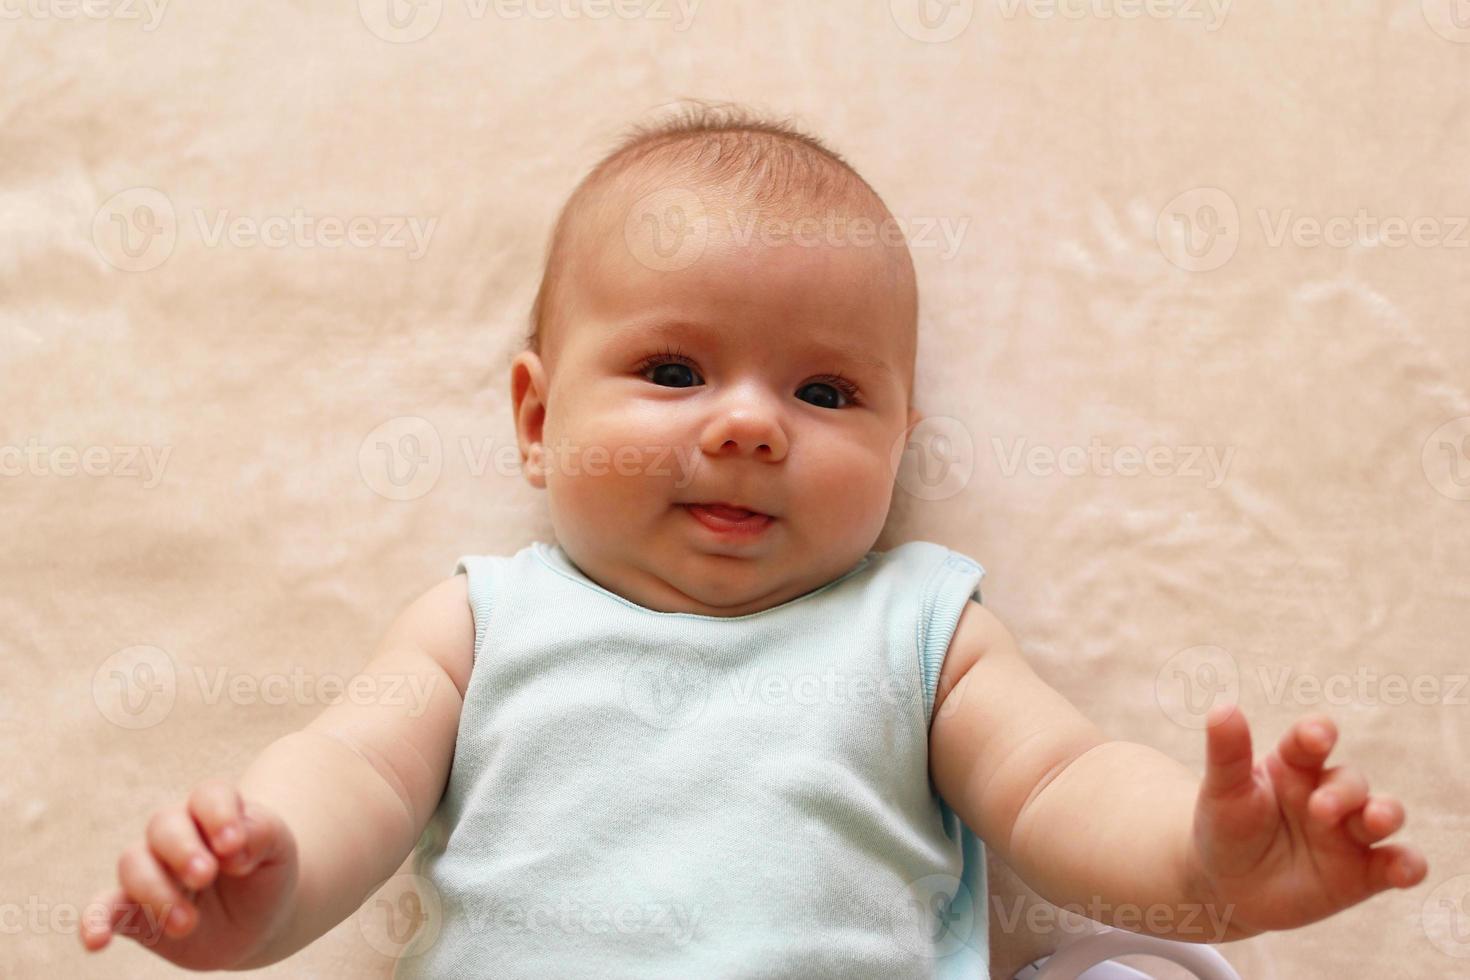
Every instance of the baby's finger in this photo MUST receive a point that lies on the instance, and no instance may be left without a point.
(1228, 761)
(101, 917)
(1381, 816)
(1342, 791)
(263, 840)
(1307, 743)
(1395, 866)
(163, 904)
(216, 806)
(175, 841)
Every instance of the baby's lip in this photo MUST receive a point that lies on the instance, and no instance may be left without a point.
(729, 506)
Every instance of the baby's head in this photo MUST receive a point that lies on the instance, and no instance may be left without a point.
(726, 316)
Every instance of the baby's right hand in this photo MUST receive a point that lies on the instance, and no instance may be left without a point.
(207, 887)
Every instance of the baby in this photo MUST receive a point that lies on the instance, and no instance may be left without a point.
(710, 731)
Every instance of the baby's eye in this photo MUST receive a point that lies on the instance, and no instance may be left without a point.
(833, 393)
(669, 373)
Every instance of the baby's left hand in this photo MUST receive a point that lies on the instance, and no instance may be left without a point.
(1285, 841)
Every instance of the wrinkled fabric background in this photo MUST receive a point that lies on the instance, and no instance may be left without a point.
(210, 436)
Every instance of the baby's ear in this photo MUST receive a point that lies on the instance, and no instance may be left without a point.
(528, 390)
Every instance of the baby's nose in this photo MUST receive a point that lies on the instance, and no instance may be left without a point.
(746, 431)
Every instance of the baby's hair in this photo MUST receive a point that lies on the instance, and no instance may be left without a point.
(767, 161)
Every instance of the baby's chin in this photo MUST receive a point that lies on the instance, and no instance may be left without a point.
(723, 585)
(688, 580)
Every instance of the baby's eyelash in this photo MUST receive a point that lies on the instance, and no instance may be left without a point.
(668, 354)
(848, 388)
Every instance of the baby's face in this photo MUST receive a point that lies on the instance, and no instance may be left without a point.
(747, 411)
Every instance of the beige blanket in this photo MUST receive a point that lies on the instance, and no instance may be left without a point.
(1194, 319)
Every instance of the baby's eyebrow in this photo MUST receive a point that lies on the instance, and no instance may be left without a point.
(844, 354)
(668, 330)
(857, 357)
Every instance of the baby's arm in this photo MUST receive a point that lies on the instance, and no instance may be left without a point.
(1132, 837)
(335, 807)
(1114, 831)
(359, 783)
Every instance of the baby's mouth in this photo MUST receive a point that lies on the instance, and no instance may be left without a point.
(728, 518)
(728, 512)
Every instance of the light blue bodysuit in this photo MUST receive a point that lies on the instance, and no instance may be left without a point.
(644, 795)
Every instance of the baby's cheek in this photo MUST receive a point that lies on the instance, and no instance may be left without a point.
(601, 474)
(645, 448)
(853, 481)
